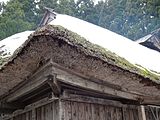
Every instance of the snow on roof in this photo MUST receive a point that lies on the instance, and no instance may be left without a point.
(143, 39)
(13, 42)
(123, 47)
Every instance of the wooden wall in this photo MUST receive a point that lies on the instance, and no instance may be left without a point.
(24, 116)
(48, 111)
(91, 111)
(78, 110)
(152, 113)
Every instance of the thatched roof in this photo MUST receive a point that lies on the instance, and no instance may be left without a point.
(151, 41)
(74, 52)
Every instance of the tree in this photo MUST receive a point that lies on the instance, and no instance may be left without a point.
(66, 7)
(12, 19)
(130, 18)
(85, 10)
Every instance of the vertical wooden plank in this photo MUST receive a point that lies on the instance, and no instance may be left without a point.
(48, 112)
(57, 110)
(75, 111)
(124, 113)
(24, 116)
(127, 115)
(135, 114)
(89, 114)
(86, 109)
(116, 116)
(112, 112)
(97, 113)
(68, 114)
(30, 115)
(61, 110)
(33, 114)
(131, 114)
(141, 113)
(119, 114)
(53, 110)
(107, 113)
(93, 112)
(27, 115)
(42, 113)
(102, 112)
(81, 109)
(38, 113)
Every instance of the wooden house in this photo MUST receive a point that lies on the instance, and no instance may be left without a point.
(151, 41)
(58, 75)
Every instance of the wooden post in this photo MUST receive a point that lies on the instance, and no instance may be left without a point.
(61, 110)
(141, 113)
(33, 114)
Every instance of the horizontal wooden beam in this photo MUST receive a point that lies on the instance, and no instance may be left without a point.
(10, 107)
(69, 96)
(150, 101)
(32, 106)
(34, 82)
(79, 80)
(71, 78)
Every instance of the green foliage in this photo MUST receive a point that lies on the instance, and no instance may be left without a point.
(66, 7)
(130, 18)
(12, 20)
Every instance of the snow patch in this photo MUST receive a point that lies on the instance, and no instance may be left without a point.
(11, 43)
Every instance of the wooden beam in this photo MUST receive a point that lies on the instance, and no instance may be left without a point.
(33, 106)
(54, 84)
(38, 79)
(68, 96)
(71, 78)
(10, 107)
(141, 113)
(150, 100)
(77, 79)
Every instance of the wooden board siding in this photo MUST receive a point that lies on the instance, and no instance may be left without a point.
(48, 111)
(152, 113)
(45, 112)
(74, 110)
(24, 116)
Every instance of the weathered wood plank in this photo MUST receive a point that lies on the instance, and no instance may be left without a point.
(88, 111)
(75, 111)
(81, 109)
(118, 114)
(78, 81)
(68, 111)
(80, 98)
(141, 113)
(33, 114)
(97, 112)
(36, 80)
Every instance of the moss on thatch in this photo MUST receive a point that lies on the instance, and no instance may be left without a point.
(89, 48)
(96, 50)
